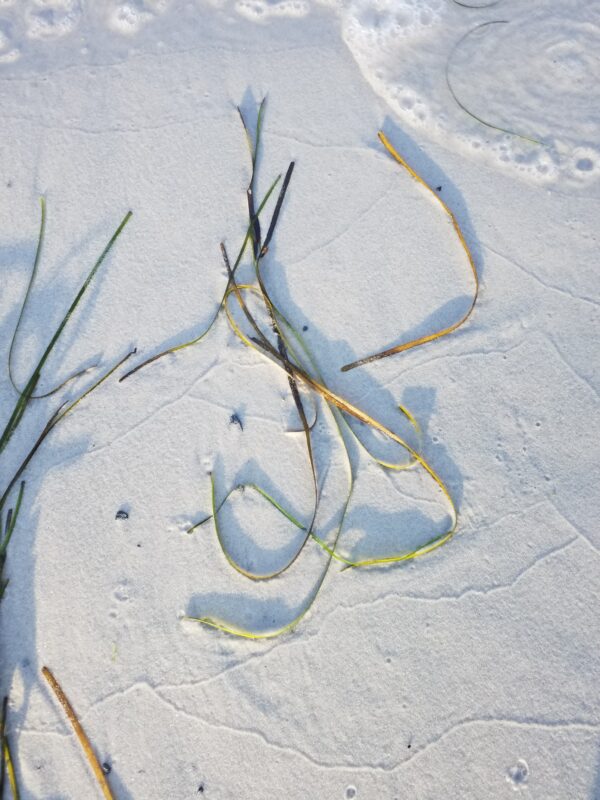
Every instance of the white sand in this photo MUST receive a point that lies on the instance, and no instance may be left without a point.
(472, 673)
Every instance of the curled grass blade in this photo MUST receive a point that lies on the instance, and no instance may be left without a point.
(28, 392)
(485, 5)
(390, 351)
(255, 576)
(305, 426)
(460, 104)
(245, 633)
(80, 733)
(69, 312)
(22, 312)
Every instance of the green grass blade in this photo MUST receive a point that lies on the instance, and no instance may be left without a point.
(242, 487)
(26, 395)
(81, 292)
(32, 277)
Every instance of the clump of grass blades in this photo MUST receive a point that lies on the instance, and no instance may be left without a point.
(291, 353)
(26, 395)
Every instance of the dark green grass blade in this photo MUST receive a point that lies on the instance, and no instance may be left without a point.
(18, 411)
(277, 210)
(27, 393)
(81, 292)
(14, 337)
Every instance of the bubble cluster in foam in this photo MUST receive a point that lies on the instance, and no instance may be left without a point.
(536, 75)
(376, 23)
(127, 18)
(52, 19)
(262, 10)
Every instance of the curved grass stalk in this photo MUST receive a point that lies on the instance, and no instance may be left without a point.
(486, 5)
(385, 464)
(255, 576)
(260, 249)
(27, 393)
(462, 105)
(80, 733)
(67, 316)
(400, 348)
(245, 633)
(22, 312)
(242, 487)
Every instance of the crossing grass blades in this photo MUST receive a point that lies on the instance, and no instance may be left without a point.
(284, 345)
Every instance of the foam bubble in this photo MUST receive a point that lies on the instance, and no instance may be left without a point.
(128, 18)
(259, 10)
(53, 19)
